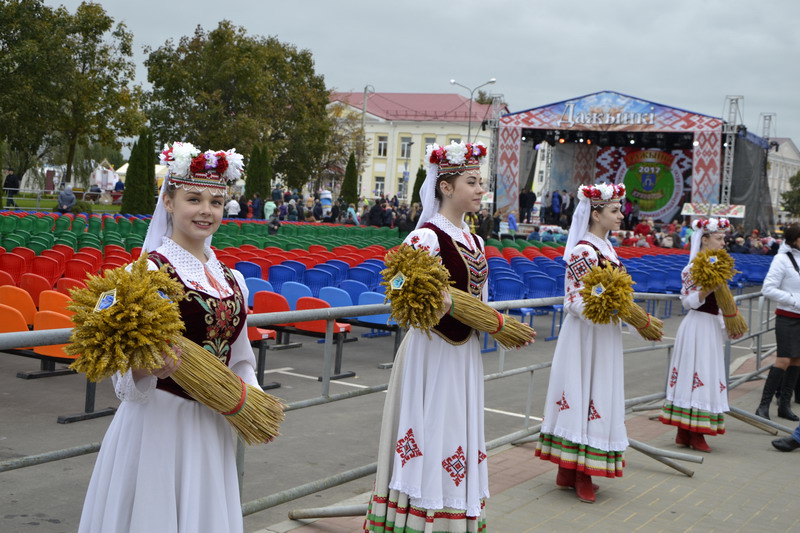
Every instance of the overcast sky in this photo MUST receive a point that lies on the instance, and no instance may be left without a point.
(683, 53)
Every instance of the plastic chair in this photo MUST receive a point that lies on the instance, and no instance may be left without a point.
(255, 285)
(65, 284)
(68, 251)
(341, 266)
(11, 320)
(293, 291)
(48, 268)
(336, 274)
(34, 284)
(264, 264)
(55, 301)
(26, 253)
(20, 300)
(297, 266)
(368, 298)
(77, 269)
(270, 302)
(248, 269)
(353, 288)
(279, 274)
(512, 289)
(318, 326)
(316, 279)
(335, 296)
(364, 275)
(6, 279)
(52, 320)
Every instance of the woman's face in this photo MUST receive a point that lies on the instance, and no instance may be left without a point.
(195, 215)
(714, 241)
(465, 193)
(609, 218)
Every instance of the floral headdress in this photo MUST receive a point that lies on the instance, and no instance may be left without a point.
(193, 170)
(602, 193)
(456, 157)
(711, 225)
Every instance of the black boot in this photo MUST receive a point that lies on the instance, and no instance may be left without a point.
(771, 385)
(787, 388)
(797, 391)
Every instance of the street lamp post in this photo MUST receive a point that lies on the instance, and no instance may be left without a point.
(406, 175)
(471, 93)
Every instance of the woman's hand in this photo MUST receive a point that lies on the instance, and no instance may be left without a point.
(735, 337)
(447, 303)
(169, 368)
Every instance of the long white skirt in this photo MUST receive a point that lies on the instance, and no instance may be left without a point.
(168, 465)
(697, 392)
(432, 448)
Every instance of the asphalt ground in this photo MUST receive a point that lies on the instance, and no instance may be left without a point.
(316, 442)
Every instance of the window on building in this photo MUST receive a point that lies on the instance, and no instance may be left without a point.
(430, 140)
(379, 185)
(455, 140)
(405, 147)
(383, 143)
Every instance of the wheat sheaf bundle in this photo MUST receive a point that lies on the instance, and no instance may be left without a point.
(712, 270)
(130, 319)
(608, 298)
(415, 281)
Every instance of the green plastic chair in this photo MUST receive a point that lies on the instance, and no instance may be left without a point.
(63, 223)
(8, 223)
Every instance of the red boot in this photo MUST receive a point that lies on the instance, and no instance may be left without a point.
(565, 479)
(698, 442)
(584, 488)
(683, 438)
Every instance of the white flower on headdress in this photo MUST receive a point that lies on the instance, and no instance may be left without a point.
(178, 157)
(235, 165)
(456, 153)
(606, 191)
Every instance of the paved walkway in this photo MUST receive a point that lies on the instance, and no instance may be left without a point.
(743, 485)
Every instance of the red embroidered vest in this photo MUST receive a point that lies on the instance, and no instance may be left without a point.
(468, 269)
(213, 323)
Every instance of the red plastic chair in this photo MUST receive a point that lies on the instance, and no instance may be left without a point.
(136, 251)
(93, 259)
(48, 268)
(34, 284)
(65, 284)
(20, 300)
(77, 269)
(94, 252)
(6, 279)
(317, 326)
(270, 302)
(55, 301)
(264, 264)
(13, 264)
(109, 248)
(55, 254)
(68, 251)
(25, 253)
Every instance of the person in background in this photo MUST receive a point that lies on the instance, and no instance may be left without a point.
(566, 208)
(635, 213)
(629, 240)
(258, 207)
(269, 208)
(555, 208)
(11, 187)
(512, 223)
(534, 235)
(232, 208)
(242, 206)
(548, 236)
(119, 186)
(274, 224)
(66, 200)
(283, 210)
(496, 225)
(737, 247)
(351, 212)
(277, 196)
(627, 209)
(782, 286)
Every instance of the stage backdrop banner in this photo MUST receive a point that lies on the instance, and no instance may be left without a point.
(654, 181)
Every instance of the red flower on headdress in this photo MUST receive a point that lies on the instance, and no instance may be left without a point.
(222, 163)
(167, 155)
(198, 165)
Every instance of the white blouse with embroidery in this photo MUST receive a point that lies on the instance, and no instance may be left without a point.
(581, 260)
(195, 274)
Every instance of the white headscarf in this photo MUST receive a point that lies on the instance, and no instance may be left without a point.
(427, 195)
(580, 224)
(160, 225)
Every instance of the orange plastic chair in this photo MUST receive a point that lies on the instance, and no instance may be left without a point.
(65, 284)
(34, 284)
(6, 279)
(317, 326)
(12, 321)
(48, 268)
(55, 301)
(20, 300)
(270, 302)
(52, 320)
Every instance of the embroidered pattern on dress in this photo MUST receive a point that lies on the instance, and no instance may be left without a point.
(407, 448)
(477, 268)
(578, 267)
(456, 466)
(481, 457)
(673, 377)
(696, 383)
(722, 387)
(593, 414)
(196, 285)
(562, 404)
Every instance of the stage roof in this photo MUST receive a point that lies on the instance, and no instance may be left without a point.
(611, 111)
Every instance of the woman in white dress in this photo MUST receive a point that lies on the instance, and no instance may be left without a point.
(584, 419)
(697, 392)
(432, 473)
(167, 462)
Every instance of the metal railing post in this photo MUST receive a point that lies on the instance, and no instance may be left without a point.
(327, 358)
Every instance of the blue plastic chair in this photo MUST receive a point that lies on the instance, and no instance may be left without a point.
(512, 289)
(335, 296)
(279, 274)
(353, 288)
(376, 262)
(341, 266)
(297, 266)
(293, 291)
(367, 298)
(335, 273)
(317, 278)
(364, 275)
(372, 266)
(248, 269)
(255, 285)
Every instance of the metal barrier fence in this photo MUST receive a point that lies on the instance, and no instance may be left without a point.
(761, 312)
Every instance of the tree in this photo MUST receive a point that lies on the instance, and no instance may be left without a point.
(420, 179)
(138, 198)
(224, 88)
(33, 65)
(790, 200)
(97, 103)
(258, 173)
(350, 183)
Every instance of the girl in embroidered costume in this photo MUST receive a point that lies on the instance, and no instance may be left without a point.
(697, 389)
(432, 473)
(167, 463)
(584, 420)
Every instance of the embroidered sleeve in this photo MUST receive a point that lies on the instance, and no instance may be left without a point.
(690, 293)
(128, 390)
(579, 263)
(423, 239)
(243, 361)
(485, 290)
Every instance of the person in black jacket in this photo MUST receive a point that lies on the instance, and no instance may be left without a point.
(11, 186)
(376, 215)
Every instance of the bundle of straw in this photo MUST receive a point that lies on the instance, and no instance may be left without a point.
(416, 281)
(130, 319)
(608, 298)
(712, 270)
